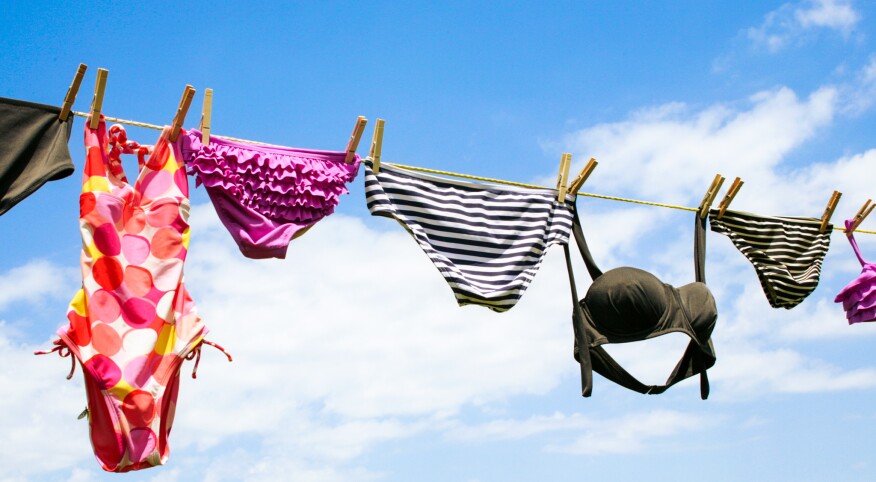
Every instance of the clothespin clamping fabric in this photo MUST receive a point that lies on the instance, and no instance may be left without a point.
(358, 129)
(181, 111)
(563, 176)
(828, 211)
(710, 196)
(728, 198)
(70, 98)
(97, 101)
(206, 115)
(376, 145)
(865, 211)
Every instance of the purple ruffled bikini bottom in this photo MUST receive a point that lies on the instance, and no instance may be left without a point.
(267, 195)
(859, 296)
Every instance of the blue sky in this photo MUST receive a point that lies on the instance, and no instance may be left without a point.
(352, 361)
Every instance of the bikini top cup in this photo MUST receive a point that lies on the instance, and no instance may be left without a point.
(628, 304)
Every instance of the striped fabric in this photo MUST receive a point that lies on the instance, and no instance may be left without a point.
(786, 252)
(487, 240)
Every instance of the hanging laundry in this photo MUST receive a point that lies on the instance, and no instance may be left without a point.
(859, 296)
(267, 195)
(33, 149)
(486, 240)
(132, 323)
(627, 305)
(786, 252)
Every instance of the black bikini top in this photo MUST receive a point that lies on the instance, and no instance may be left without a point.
(627, 304)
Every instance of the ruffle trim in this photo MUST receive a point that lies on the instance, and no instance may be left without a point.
(859, 297)
(296, 187)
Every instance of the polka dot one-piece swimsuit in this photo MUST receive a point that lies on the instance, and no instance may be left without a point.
(133, 322)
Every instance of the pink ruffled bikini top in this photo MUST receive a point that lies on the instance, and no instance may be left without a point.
(859, 296)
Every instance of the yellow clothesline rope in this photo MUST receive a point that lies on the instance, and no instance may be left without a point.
(588, 194)
(158, 128)
(456, 174)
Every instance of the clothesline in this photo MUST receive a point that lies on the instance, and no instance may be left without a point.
(158, 128)
(456, 174)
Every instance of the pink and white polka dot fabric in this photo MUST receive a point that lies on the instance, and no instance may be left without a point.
(133, 322)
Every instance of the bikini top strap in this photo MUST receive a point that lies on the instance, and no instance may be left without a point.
(851, 236)
(594, 270)
(700, 248)
(581, 350)
(690, 364)
(119, 144)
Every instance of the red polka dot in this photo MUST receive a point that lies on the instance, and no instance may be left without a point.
(138, 280)
(163, 214)
(94, 162)
(135, 220)
(87, 201)
(106, 373)
(104, 306)
(166, 243)
(139, 408)
(106, 239)
(138, 313)
(105, 339)
(80, 330)
(107, 272)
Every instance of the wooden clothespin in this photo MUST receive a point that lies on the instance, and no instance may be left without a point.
(828, 212)
(563, 177)
(71, 92)
(355, 138)
(97, 101)
(728, 198)
(206, 114)
(376, 145)
(865, 211)
(582, 176)
(710, 196)
(181, 111)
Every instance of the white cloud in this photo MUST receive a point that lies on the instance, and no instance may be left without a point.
(832, 14)
(790, 23)
(33, 281)
(39, 408)
(746, 372)
(676, 151)
(629, 433)
(511, 429)
(632, 433)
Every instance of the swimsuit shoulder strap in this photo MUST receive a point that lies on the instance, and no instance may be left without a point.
(594, 270)
(851, 236)
(700, 248)
(582, 343)
(692, 362)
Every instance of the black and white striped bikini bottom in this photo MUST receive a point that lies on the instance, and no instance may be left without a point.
(786, 252)
(486, 240)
